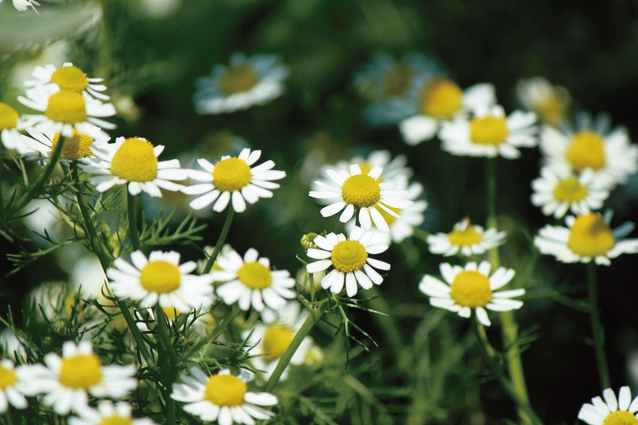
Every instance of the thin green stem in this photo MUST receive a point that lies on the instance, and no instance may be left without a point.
(164, 334)
(214, 334)
(132, 220)
(170, 373)
(220, 240)
(421, 234)
(491, 193)
(597, 328)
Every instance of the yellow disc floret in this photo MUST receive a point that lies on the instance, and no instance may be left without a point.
(80, 371)
(620, 417)
(231, 174)
(587, 150)
(70, 78)
(466, 237)
(348, 256)
(276, 341)
(225, 390)
(471, 289)
(76, 147)
(238, 79)
(135, 161)
(570, 190)
(361, 191)
(160, 276)
(441, 98)
(8, 116)
(67, 107)
(398, 80)
(590, 236)
(255, 275)
(488, 130)
(8, 377)
(116, 420)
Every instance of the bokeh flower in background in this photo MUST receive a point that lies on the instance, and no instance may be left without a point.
(465, 238)
(550, 103)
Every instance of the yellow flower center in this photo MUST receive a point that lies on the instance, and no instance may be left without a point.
(8, 116)
(361, 191)
(587, 150)
(67, 107)
(276, 341)
(255, 275)
(590, 236)
(76, 147)
(80, 371)
(135, 161)
(552, 110)
(620, 417)
(238, 79)
(466, 237)
(225, 390)
(441, 98)
(160, 276)
(70, 78)
(398, 80)
(231, 174)
(348, 256)
(116, 420)
(570, 190)
(387, 217)
(471, 289)
(366, 167)
(488, 130)
(8, 377)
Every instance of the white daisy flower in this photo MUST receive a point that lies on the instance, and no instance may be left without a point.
(466, 238)
(222, 397)
(160, 279)
(550, 103)
(11, 386)
(612, 410)
(470, 288)
(250, 281)
(557, 191)
(10, 126)
(65, 110)
(23, 5)
(109, 413)
(363, 192)
(350, 260)
(40, 145)
(243, 83)
(133, 161)
(233, 179)
(489, 133)
(66, 381)
(587, 237)
(11, 345)
(67, 77)
(610, 154)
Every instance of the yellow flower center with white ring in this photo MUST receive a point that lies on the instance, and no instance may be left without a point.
(8, 117)
(467, 237)
(471, 289)
(361, 191)
(67, 107)
(276, 341)
(238, 79)
(441, 98)
(116, 420)
(70, 78)
(587, 150)
(135, 161)
(488, 130)
(231, 174)
(8, 377)
(552, 110)
(570, 190)
(80, 371)
(160, 276)
(590, 236)
(225, 390)
(398, 80)
(76, 147)
(254, 275)
(348, 256)
(620, 417)
(389, 219)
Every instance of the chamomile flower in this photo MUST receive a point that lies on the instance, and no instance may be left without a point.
(489, 133)
(23, 5)
(466, 238)
(557, 191)
(160, 279)
(350, 260)
(243, 83)
(66, 381)
(10, 129)
(11, 345)
(67, 77)
(591, 144)
(588, 237)
(11, 387)
(250, 281)
(40, 145)
(470, 288)
(612, 410)
(550, 103)
(222, 397)
(65, 110)
(108, 413)
(133, 161)
(363, 192)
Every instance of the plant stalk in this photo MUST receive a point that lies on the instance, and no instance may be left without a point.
(597, 328)
(132, 220)
(220, 240)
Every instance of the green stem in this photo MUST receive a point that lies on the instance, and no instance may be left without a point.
(220, 240)
(308, 324)
(214, 334)
(421, 234)
(597, 328)
(132, 220)
(387, 324)
(491, 193)
(170, 373)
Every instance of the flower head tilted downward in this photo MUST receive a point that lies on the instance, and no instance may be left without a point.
(611, 411)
